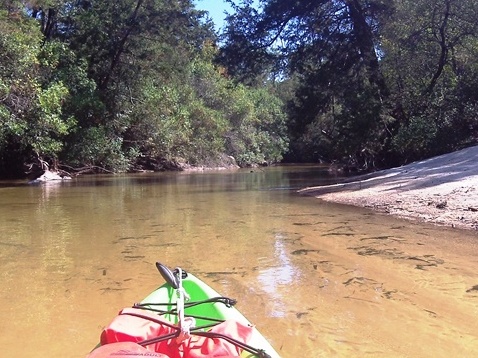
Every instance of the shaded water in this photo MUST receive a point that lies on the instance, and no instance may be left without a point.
(318, 279)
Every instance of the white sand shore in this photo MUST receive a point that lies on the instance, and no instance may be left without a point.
(442, 190)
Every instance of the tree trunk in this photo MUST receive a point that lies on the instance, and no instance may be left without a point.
(443, 49)
(366, 46)
(121, 46)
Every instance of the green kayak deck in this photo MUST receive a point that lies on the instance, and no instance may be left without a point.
(205, 306)
(199, 291)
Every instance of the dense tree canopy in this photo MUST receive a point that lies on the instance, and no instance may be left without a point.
(377, 82)
(146, 84)
(124, 85)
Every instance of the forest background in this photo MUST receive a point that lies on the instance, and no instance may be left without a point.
(128, 85)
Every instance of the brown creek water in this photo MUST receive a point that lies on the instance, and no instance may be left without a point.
(317, 279)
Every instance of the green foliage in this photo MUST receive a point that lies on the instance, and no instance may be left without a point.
(428, 63)
(44, 135)
(19, 45)
(204, 115)
(258, 128)
(367, 75)
(328, 48)
(31, 116)
(124, 84)
(416, 139)
(160, 125)
(97, 146)
(114, 83)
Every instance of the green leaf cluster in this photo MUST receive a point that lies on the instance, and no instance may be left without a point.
(372, 83)
(125, 85)
(32, 122)
(206, 115)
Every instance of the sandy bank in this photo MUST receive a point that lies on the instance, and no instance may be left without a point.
(442, 190)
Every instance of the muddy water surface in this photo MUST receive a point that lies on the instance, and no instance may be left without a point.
(318, 279)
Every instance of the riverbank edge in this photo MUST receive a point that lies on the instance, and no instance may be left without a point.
(441, 190)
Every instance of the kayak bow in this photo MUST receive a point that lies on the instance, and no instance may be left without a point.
(183, 318)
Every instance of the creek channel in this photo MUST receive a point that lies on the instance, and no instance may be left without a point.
(318, 279)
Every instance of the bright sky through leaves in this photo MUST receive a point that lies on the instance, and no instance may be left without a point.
(216, 9)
